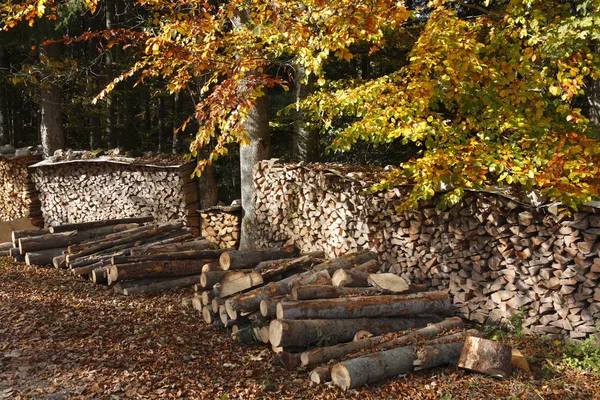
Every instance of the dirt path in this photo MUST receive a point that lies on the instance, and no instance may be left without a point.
(61, 338)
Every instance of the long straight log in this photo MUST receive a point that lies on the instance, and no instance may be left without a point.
(245, 259)
(16, 235)
(60, 261)
(349, 278)
(237, 282)
(301, 333)
(86, 271)
(82, 226)
(43, 257)
(197, 244)
(310, 292)
(181, 255)
(160, 269)
(100, 275)
(324, 354)
(363, 307)
(275, 267)
(6, 246)
(175, 283)
(73, 249)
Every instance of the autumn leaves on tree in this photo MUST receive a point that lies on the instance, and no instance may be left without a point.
(493, 92)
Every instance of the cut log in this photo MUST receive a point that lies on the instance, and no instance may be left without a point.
(82, 226)
(6, 246)
(198, 244)
(159, 269)
(324, 354)
(16, 235)
(86, 271)
(43, 257)
(301, 333)
(114, 236)
(100, 275)
(209, 315)
(153, 287)
(246, 259)
(181, 255)
(390, 283)
(363, 307)
(310, 292)
(486, 357)
(320, 375)
(371, 267)
(349, 278)
(272, 268)
(268, 306)
(235, 282)
(60, 261)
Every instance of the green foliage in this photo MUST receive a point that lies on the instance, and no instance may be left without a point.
(584, 355)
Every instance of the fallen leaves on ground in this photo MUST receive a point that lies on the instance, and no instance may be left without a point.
(65, 338)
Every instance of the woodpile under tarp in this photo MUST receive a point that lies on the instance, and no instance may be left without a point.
(495, 254)
(18, 195)
(106, 188)
(221, 225)
(340, 335)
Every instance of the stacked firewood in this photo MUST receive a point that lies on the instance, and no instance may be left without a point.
(343, 306)
(495, 254)
(103, 189)
(18, 195)
(221, 225)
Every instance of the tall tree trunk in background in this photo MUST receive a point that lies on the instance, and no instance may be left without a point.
(177, 121)
(111, 114)
(257, 127)
(4, 127)
(162, 124)
(51, 129)
(593, 98)
(306, 141)
(209, 195)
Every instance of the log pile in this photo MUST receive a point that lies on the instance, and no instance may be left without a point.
(18, 195)
(288, 300)
(107, 188)
(495, 254)
(221, 225)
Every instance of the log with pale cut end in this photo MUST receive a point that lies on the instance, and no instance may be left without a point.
(86, 271)
(197, 244)
(43, 257)
(211, 266)
(320, 375)
(364, 307)
(14, 252)
(197, 304)
(388, 282)
(486, 357)
(236, 282)
(160, 286)
(211, 278)
(158, 269)
(16, 235)
(247, 259)
(269, 269)
(349, 278)
(60, 261)
(435, 355)
(264, 334)
(268, 306)
(310, 292)
(370, 267)
(100, 275)
(215, 303)
(6, 246)
(181, 255)
(290, 360)
(207, 297)
(361, 335)
(73, 249)
(81, 226)
(324, 354)
(304, 332)
(209, 315)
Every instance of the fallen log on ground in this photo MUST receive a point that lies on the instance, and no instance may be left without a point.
(244, 259)
(152, 287)
(197, 244)
(348, 278)
(161, 269)
(312, 292)
(487, 357)
(82, 226)
(180, 255)
(43, 257)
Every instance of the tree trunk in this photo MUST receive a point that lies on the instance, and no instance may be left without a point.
(111, 101)
(236, 282)
(305, 332)
(82, 226)
(51, 128)
(4, 99)
(347, 278)
(192, 245)
(243, 259)
(177, 117)
(180, 255)
(487, 357)
(162, 269)
(153, 287)
(311, 292)
(42, 257)
(257, 128)
(306, 140)
(365, 307)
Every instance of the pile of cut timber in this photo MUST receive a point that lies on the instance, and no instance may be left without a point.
(495, 254)
(221, 225)
(343, 306)
(107, 188)
(18, 195)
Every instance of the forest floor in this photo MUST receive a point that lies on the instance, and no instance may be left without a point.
(62, 338)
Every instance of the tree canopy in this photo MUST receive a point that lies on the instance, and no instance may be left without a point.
(491, 92)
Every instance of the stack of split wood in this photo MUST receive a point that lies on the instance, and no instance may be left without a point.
(221, 225)
(496, 255)
(111, 188)
(343, 306)
(18, 195)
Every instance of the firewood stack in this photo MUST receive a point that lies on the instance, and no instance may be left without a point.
(495, 254)
(111, 188)
(221, 225)
(298, 301)
(18, 195)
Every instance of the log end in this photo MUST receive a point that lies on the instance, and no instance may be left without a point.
(340, 376)
(27, 259)
(275, 332)
(113, 274)
(230, 308)
(225, 261)
(279, 313)
(264, 308)
(207, 315)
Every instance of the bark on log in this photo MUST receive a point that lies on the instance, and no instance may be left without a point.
(100, 275)
(154, 270)
(320, 375)
(364, 307)
(300, 333)
(198, 244)
(275, 267)
(235, 282)
(153, 287)
(268, 306)
(114, 236)
(324, 354)
(246, 259)
(6, 246)
(82, 226)
(16, 235)
(43, 257)
(180, 255)
(371, 267)
(487, 357)
(60, 261)
(390, 283)
(311, 292)
(86, 271)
